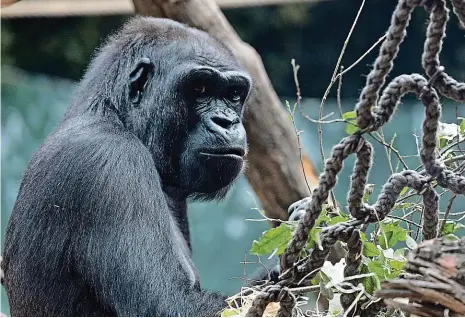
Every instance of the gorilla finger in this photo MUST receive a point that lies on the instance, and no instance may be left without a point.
(298, 205)
(297, 215)
(274, 274)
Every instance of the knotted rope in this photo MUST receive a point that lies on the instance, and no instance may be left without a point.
(294, 271)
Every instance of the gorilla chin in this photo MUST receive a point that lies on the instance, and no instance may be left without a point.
(222, 165)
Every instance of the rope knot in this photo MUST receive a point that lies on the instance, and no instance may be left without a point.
(273, 293)
(365, 212)
(425, 188)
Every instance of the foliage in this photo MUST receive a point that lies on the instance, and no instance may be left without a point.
(386, 246)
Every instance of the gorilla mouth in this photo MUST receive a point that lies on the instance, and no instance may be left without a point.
(234, 152)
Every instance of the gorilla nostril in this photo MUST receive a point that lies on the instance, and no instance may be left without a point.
(223, 122)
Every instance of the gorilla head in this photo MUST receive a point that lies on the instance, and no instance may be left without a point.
(184, 100)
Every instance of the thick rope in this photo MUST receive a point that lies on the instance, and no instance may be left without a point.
(385, 60)
(273, 293)
(352, 268)
(358, 181)
(313, 209)
(373, 113)
(329, 236)
(446, 85)
(459, 10)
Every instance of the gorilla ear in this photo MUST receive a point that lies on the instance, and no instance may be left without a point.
(138, 79)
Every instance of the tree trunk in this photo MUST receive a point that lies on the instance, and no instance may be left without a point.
(274, 168)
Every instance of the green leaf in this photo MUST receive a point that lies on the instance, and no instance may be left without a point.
(320, 277)
(229, 312)
(404, 205)
(349, 115)
(282, 248)
(400, 234)
(450, 237)
(327, 292)
(369, 283)
(393, 232)
(288, 106)
(274, 238)
(378, 268)
(449, 228)
(363, 237)
(324, 278)
(400, 254)
(404, 191)
(370, 249)
(291, 111)
(314, 236)
(462, 126)
(381, 257)
(443, 142)
(411, 243)
(316, 280)
(350, 127)
(337, 219)
(396, 265)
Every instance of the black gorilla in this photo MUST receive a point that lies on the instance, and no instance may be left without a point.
(99, 226)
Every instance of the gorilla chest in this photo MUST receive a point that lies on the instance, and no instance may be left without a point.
(181, 247)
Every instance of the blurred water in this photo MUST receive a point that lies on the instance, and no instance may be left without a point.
(33, 104)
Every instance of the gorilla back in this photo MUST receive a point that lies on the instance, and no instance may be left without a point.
(100, 225)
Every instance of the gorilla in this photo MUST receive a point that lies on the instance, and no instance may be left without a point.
(99, 227)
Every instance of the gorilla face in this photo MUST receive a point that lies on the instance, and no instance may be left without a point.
(216, 143)
(190, 93)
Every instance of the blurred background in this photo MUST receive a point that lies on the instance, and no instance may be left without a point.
(43, 57)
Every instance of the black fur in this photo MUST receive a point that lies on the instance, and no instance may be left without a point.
(99, 226)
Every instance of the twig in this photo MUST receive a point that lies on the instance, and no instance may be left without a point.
(396, 152)
(333, 80)
(295, 68)
(405, 220)
(339, 89)
(317, 121)
(446, 215)
(362, 56)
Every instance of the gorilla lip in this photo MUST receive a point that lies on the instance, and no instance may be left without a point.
(224, 152)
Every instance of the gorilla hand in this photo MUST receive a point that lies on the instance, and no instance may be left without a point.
(296, 212)
(297, 209)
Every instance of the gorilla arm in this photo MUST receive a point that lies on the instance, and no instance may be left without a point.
(130, 251)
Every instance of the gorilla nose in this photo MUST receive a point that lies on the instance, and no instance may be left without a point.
(224, 122)
(227, 125)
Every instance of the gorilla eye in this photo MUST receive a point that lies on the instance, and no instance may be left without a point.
(200, 89)
(235, 95)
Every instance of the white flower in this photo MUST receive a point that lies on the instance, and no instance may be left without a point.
(448, 131)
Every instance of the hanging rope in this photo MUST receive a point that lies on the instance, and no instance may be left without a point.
(295, 271)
